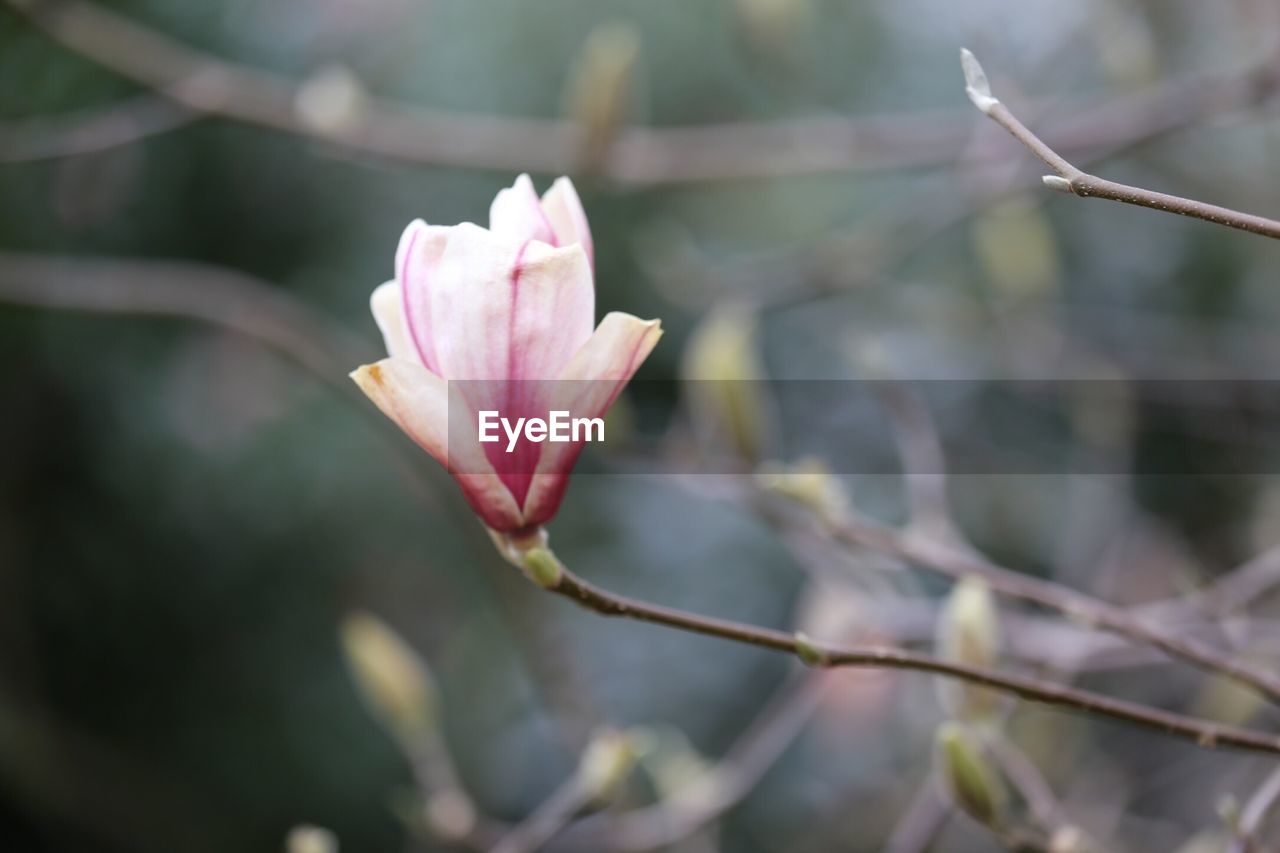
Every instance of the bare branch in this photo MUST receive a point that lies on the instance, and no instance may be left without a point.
(1205, 734)
(198, 84)
(958, 562)
(1067, 178)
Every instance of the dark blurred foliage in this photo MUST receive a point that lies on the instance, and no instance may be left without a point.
(185, 516)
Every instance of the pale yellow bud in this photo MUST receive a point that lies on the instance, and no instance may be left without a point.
(1016, 246)
(1070, 839)
(607, 760)
(542, 567)
(600, 88)
(725, 383)
(450, 814)
(393, 680)
(774, 29)
(969, 633)
(807, 482)
(808, 651)
(331, 101)
(310, 839)
(967, 776)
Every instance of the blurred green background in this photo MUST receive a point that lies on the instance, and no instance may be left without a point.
(187, 513)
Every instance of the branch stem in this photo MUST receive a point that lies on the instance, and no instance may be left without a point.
(1068, 178)
(1204, 733)
(956, 563)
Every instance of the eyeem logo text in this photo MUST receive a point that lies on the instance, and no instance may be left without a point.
(558, 427)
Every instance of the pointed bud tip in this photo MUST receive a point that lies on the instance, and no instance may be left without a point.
(390, 676)
(608, 759)
(976, 85)
(1057, 183)
(542, 567)
(808, 651)
(969, 779)
(305, 838)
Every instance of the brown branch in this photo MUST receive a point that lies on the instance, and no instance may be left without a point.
(957, 563)
(1255, 815)
(1207, 734)
(1069, 179)
(201, 84)
(90, 130)
(221, 297)
(919, 826)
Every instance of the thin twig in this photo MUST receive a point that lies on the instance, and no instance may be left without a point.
(201, 84)
(1255, 814)
(957, 563)
(90, 130)
(693, 806)
(921, 823)
(210, 294)
(547, 819)
(1206, 734)
(1031, 785)
(1069, 179)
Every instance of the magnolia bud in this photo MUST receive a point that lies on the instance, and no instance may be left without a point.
(808, 482)
(598, 94)
(967, 777)
(773, 28)
(542, 567)
(976, 85)
(969, 633)
(808, 652)
(450, 814)
(1070, 839)
(310, 839)
(393, 680)
(607, 760)
(331, 102)
(1018, 250)
(725, 382)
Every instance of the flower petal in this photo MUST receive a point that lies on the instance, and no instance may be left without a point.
(516, 214)
(587, 388)
(388, 313)
(417, 265)
(507, 310)
(564, 211)
(428, 410)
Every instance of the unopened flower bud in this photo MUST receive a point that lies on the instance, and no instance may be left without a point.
(310, 839)
(542, 566)
(450, 814)
(331, 101)
(807, 482)
(725, 383)
(975, 82)
(969, 633)
(967, 777)
(1018, 250)
(1070, 839)
(807, 650)
(607, 760)
(773, 28)
(599, 91)
(392, 679)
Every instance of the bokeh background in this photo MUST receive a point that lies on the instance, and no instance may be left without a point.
(192, 499)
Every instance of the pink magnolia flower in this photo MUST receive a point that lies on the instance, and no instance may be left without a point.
(500, 307)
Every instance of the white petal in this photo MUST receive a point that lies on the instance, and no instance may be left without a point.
(428, 410)
(417, 265)
(388, 313)
(507, 311)
(516, 214)
(589, 384)
(568, 220)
